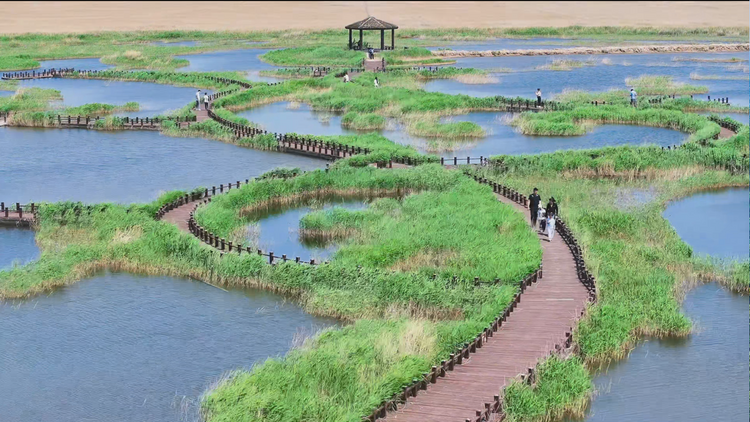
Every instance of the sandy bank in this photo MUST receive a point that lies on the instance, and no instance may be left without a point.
(79, 16)
(635, 49)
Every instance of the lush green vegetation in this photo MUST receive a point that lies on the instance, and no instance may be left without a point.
(661, 85)
(10, 85)
(366, 121)
(29, 99)
(562, 387)
(579, 119)
(431, 127)
(97, 109)
(194, 79)
(411, 230)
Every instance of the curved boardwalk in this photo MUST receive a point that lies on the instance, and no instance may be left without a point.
(547, 312)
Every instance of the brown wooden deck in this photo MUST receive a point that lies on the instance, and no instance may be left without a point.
(547, 312)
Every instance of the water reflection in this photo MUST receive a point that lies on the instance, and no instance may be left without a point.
(122, 347)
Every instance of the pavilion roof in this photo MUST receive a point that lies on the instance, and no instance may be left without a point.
(371, 23)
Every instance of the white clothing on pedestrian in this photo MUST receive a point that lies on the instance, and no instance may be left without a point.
(551, 228)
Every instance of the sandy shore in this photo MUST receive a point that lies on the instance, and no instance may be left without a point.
(635, 49)
(55, 17)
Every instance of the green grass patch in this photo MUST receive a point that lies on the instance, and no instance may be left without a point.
(367, 121)
(662, 85)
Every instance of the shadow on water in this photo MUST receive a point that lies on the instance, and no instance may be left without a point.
(600, 73)
(125, 166)
(276, 228)
(501, 137)
(704, 376)
(17, 246)
(123, 347)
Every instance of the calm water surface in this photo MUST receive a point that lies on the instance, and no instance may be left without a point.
(17, 246)
(703, 377)
(126, 166)
(501, 138)
(277, 229)
(713, 223)
(125, 348)
(604, 72)
(153, 99)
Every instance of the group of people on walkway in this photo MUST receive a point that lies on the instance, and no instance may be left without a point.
(198, 99)
(545, 216)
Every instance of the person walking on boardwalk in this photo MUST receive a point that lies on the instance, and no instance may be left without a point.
(198, 100)
(633, 97)
(205, 100)
(534, 200)
(538, 97)
(551, 217)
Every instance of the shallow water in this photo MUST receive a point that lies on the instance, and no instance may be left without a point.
(17, 246)
(277, 229)
(501, 138)
(125, 166)
(714, 223)
(80, 64)
(701, 378)
(524, 80)
(153, 99)
(125, 348)
(220, 61)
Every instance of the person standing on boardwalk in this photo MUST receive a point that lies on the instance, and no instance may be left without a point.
(551, 217)
(534, 200)
(538, 97)
(205, 100)
(377, 84)
(633, 97)
(198, 100)
(346, 78)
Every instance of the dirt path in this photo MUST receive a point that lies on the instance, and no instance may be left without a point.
(78, 16)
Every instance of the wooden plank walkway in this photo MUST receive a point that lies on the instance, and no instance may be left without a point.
(547, 311)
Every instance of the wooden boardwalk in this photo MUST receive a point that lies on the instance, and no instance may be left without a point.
(546, 314)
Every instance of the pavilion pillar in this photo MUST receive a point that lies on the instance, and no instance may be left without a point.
(360, 39)
(393, 35)
(382, 39)
(350, 39)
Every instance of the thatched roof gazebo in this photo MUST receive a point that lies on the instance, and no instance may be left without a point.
(371, 24)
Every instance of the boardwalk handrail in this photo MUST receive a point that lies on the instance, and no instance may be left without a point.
(17, 212)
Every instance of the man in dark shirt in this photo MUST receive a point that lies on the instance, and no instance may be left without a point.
(534, 200)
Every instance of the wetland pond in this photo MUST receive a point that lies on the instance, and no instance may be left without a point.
(120, 347)
(704, 376)
(125, 166)
(601, 73)
(276, 228)
(501, 137)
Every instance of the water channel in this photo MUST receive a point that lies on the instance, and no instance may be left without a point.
(120, 347)
(702, 377)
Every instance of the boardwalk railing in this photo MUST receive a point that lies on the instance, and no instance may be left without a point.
(38, 74)
(293, 143)
(18, 213)
(726, 123)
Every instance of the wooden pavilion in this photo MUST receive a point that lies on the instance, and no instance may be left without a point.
(371, 24)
